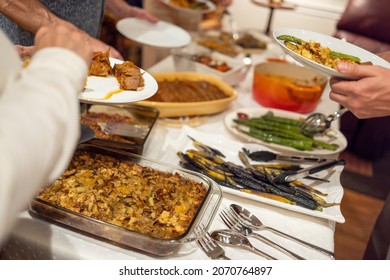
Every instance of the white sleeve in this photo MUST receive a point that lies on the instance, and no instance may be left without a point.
(39, 125)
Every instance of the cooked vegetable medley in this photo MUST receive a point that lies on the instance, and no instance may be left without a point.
(314, 51)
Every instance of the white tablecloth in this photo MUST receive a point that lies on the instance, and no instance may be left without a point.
(33, 238)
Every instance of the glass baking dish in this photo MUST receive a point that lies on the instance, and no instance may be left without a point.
(141, 116)
(126, 238)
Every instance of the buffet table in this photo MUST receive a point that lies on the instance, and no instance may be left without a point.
(33, 238)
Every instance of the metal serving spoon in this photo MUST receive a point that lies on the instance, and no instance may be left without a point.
(232, 238)
(252, 221)
(318, 123)
(86, 133)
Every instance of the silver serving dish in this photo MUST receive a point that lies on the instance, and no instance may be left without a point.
(185, 60)
(144, 117)
(127, 238)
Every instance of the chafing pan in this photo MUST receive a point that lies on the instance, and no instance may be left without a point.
(140, 115)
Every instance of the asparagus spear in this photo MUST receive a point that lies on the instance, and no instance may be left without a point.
(289, 38)
(346, 56)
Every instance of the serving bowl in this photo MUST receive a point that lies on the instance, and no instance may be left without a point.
(178, 109)
(185, 59)
(287, 86)
(114, 231)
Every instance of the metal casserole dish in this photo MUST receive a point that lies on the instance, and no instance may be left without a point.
(139, 115)
(122, 236)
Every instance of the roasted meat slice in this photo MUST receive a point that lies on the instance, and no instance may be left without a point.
(128, 75)
(100, 65)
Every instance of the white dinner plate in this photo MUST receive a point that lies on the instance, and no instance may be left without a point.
(326, 41)
(105, 90)
(230, 149)
(161, 34)
(336, 136)
(210, 7)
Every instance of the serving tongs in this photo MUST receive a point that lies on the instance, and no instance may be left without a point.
(290, 176)
(86, 133)
(266, 156)
(124, 130)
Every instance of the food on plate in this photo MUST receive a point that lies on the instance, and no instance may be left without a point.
(249, 41)
(179, 90)
(100, 65)
(128, 75)
(190, 4)
(280, 130)
(253, 179)
(224, 43)
(211, 62)
(314, 51)
(139, 198)
(93, 119)
(216, 44)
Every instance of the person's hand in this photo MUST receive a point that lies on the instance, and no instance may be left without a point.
(24, 51)
(119, 9)
(226, 2)
(58, 35)
(143, 14)
(366, 97)
(98, 45)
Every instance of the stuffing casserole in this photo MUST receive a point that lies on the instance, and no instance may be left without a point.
(152, 202)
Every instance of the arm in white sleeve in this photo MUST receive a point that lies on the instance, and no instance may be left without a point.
(39, 124)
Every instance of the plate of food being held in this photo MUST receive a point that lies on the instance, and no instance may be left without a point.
(322, 52)
(112, 81)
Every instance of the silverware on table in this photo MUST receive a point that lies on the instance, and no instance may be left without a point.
(253, 222)
(210, 247)
(234, 239)
(266, 156)
(234, 224)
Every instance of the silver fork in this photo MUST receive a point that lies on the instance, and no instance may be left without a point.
(233, 223)
(210, 247)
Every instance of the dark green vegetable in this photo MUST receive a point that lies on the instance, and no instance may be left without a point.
(280, 130)
(289, 38)
(295, 40)
(346, 56)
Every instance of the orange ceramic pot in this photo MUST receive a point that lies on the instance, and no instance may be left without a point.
(288, 87)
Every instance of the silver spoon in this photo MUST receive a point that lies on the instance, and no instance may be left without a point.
(232, 238)
(253, 222)
(232, 221)
(318, 123)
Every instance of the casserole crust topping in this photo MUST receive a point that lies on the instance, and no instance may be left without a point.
(135, 197)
